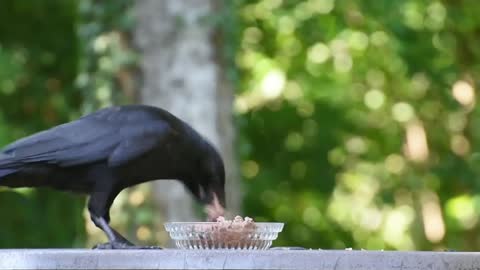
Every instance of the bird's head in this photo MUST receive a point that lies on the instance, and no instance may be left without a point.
(208, 183)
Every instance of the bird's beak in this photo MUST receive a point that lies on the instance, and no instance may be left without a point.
(215, 208)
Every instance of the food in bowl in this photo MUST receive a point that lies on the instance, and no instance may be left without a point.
(239, 233)
(236, 232)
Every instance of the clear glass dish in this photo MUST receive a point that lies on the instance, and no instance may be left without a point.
(211, 235)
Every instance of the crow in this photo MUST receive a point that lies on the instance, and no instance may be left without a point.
(104, 152)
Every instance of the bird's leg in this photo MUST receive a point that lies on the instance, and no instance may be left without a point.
(115, 240)
(98, 205)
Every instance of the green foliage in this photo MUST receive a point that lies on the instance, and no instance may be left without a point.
(358, 121)
(38, 64)
(106, 67)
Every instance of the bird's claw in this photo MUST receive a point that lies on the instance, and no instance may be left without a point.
(148, 247)
(122, 245)
(113, 245)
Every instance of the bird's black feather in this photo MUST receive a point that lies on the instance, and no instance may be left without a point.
(105, 135)
(104, 152)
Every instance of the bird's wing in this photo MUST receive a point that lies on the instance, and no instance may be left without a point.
(101, 136)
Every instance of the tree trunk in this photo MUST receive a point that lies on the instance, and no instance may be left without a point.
(181, 73)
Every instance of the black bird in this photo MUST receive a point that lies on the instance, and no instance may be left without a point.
(109, 150)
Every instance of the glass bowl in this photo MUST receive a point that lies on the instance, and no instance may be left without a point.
(211, 235)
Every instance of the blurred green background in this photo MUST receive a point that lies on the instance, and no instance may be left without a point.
(357, 120)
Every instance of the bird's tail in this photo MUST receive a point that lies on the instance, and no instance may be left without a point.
(6, 170)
